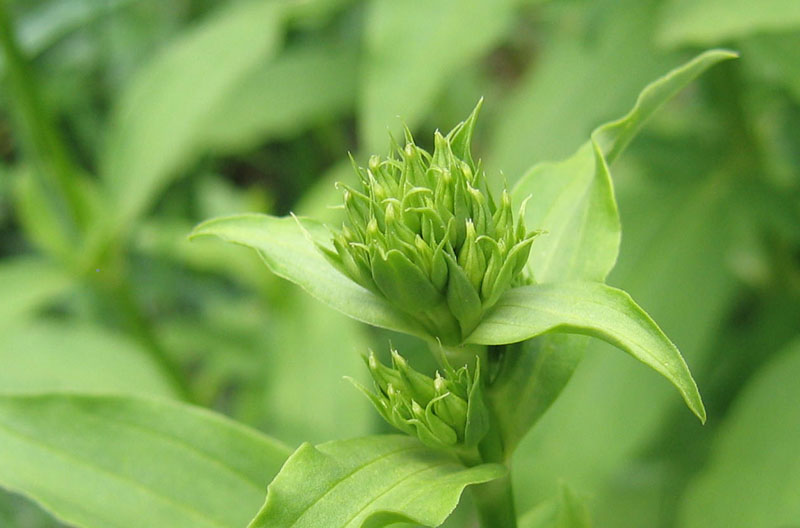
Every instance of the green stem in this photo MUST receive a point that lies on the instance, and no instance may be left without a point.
(495, 503)
(37, 132)
(116, 289)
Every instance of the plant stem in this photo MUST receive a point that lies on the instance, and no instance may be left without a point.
(495, 503)
(115, 287)
(37, 131)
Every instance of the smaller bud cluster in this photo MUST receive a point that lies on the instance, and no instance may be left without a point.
(425, 233)
(443, 412)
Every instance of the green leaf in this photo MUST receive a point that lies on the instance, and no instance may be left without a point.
(753, 478)
(289, 252)
(566, 510)
(45, 357)
(613, 137)
(368, 482)
(674, 261)
(593, 65)
(28, 283)
(573, 202)
(704, 22)
(299, 88)
(159, 121)
(314, 348)
(593, 309)
(100, 461)
(437, 39)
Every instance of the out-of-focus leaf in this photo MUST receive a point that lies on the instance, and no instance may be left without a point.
(100, 461)
(52, 21)
(581, 79)
(28, 283)
(412, 49)
(18, 512)
(775, 58)
(166, 239)
(46, 357)
(594, 309)
(564, 511)
(368, 482)
(44, 224)
(302, 86)
(704, 22)
(753, 478)
(313, 349)
(159, 121)
(289, 253)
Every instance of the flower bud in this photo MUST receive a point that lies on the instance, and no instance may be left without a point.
(425, 233)
(443, 412)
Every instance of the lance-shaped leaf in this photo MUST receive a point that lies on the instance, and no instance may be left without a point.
(100, 461)
(594, 309)
(157, 123)
(368, 482)
(573, 202)
(289, 251)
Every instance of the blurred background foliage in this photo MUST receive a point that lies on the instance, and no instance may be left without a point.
(125, 122)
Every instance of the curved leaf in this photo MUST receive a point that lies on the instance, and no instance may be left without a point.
(158, 122)
(613, 137)
(368, 482)
(101, 461)
(573, 202)
(289, 253)
(593, 309)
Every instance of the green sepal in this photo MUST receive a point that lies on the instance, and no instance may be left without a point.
(403, 282)
(477, 413)
(462, 299)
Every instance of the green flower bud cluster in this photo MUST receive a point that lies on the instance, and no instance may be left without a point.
(424, 232)
(443, 412)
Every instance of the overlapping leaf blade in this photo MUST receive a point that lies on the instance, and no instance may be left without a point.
(101, 461)
(368, 482)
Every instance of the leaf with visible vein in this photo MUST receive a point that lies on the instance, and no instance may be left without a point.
(125, 462)
(594, 309)
(368, 482)
(288, 252)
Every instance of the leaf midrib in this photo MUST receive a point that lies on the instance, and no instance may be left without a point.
(355, 470)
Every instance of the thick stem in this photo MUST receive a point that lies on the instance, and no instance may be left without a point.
(495, 503)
